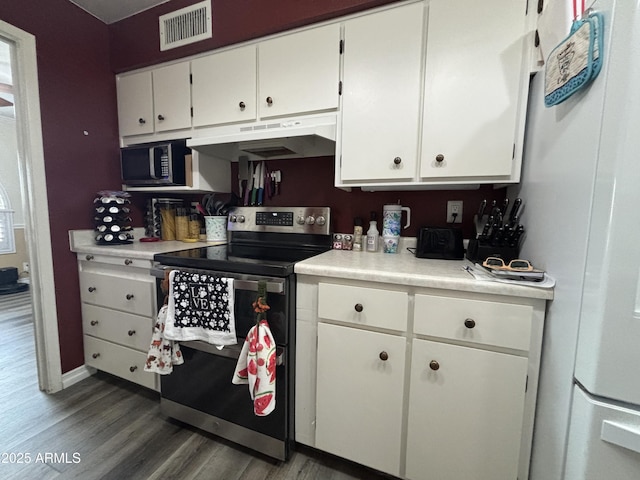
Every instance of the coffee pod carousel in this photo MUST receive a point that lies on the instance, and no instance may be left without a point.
(112, 220)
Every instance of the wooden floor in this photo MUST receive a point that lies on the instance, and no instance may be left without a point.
(106, 428)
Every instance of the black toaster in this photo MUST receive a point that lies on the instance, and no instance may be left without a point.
(440, 243)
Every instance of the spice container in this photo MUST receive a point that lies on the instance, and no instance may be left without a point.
(357, 234)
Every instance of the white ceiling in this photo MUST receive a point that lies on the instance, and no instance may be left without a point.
(110, 11)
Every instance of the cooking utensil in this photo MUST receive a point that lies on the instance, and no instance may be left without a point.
(261, 183)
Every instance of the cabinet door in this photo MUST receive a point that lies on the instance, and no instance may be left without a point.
(300, 72)
(135, 104)
(465, 413)
(381, 95)
(172, 97)
(224, 87)
(359, 396)
(472, 87)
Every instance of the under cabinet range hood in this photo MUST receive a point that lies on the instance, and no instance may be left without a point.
(310, 136)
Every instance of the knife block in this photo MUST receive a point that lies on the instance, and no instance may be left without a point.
(478, 250)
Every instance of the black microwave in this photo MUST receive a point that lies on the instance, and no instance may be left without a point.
(155, 164)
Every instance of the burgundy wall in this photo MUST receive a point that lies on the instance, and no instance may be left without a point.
(77, 58)
(77, 94)
(310, 182)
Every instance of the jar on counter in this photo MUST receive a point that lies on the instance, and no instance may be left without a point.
(167, 221)
(182, 223)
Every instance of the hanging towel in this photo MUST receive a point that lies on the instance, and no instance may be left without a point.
(163, 354)
(200, 308)
(257, 362)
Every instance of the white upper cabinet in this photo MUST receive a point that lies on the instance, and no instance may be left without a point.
(381, 95)
(154, 101)
(224, 87)
(299, 73)
(172, 97)
(475, 97)
(135, 104)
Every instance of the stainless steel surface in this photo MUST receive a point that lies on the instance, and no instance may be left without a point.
(230, 431)
(315, 220)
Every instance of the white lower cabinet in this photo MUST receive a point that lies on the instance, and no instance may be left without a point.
(359, 395)
(420, 383)
(465, 413)
(118, 315)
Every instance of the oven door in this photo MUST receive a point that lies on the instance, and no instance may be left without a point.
(199, 392)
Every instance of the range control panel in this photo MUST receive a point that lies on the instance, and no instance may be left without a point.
(315, 220)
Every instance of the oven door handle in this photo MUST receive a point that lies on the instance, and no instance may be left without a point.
(273, 285)
(229, 351)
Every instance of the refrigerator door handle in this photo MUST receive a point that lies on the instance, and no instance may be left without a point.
(626, 436)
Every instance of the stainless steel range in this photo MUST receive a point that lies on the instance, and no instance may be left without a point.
(264, 244)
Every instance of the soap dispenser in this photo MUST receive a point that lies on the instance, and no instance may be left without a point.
(373, 234)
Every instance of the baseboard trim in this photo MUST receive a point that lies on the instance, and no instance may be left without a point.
(77, 375)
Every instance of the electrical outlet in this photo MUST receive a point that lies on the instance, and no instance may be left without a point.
(25, 267)
(454, 211)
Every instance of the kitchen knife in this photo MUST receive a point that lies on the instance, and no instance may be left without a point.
(517, 203)
(485, 230)
(262, 172)
(243, 177)
(483, 205)
(254, 184)
(505, 206)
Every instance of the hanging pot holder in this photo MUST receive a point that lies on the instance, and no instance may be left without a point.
(576, 61)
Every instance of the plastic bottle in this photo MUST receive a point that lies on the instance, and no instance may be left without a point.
(373, 234)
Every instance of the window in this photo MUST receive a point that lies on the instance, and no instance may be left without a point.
(7, 243)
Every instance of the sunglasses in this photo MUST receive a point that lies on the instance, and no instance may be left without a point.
(515, 265)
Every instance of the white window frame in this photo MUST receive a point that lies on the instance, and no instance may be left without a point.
(7, 240)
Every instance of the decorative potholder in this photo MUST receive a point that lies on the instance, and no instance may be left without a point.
(576, 61)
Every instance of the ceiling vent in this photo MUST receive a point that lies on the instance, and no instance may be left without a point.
(187, 25)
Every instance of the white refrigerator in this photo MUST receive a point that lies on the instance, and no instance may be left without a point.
(581, 189)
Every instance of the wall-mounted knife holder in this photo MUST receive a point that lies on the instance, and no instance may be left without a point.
(480, 245)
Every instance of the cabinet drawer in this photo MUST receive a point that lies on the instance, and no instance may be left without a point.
(125, 329)
(117, 360)
(482, 322)
(111, 260)
(363, 306)
(129, 295)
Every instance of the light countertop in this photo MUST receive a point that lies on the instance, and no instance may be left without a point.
(405, 269)
(82, 241)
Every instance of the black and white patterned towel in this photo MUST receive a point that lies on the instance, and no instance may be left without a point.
(200, 308)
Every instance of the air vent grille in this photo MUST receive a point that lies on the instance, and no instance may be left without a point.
(187, 25)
